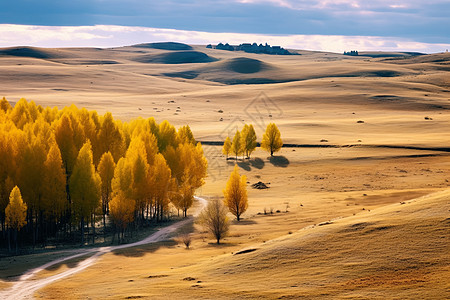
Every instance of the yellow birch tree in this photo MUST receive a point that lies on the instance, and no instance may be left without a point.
(271, 141)
(226, 149)
(16, 213)
(236, 193)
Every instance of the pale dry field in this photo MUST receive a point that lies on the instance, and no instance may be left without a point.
(362, 222)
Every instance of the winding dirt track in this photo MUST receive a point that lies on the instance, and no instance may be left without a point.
(25, 286)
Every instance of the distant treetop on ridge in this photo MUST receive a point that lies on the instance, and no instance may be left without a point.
(252, 48)
(351, 53)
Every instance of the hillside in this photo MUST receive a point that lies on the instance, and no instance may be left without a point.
(307, 89)
(358, 202)
(397, 251)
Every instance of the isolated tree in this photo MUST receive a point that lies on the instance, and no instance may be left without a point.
(16, 213)
(214, 219)
(236, 147)
(248, 140)
(235, 193)
(122, 211)
(271, 141)
(85, 187)
(105, 169)
(227, 146)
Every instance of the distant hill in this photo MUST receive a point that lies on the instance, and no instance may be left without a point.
(164, 46)
(31, 52)
(179, 57)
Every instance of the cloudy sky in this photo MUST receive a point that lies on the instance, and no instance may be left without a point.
(403, 25)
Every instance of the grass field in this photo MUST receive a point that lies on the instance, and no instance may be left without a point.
(363, 213)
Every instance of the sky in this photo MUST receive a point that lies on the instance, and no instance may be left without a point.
(388, 25)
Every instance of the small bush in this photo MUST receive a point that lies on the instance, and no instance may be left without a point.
(186, 239)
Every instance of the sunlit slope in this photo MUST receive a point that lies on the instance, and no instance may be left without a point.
(399, 251)
(317, 96)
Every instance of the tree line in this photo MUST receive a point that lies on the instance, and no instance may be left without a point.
(63, 170)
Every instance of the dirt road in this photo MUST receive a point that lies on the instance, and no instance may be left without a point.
(26, 285)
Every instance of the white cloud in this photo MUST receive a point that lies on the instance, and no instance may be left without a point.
(342, 4)
(282, 3)
(113, 36)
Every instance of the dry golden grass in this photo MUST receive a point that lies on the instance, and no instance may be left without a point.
(345, 234)
(323, 97)
(298, 254)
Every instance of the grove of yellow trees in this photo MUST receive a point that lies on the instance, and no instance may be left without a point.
(75, 168)
(244, 141)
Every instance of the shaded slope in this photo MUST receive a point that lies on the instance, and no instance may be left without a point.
(243, 70)
(245, 65)
(438, 58)
(164, 46)
(179, 57)
(30, 52)
(237, 70)
(390, 54)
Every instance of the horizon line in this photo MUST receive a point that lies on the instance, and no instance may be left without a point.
(111, 36)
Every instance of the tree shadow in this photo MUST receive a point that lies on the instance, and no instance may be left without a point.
(171, 242)
(279, 161)
(223, 244)
(186, 229)
(140, 251)
(244, 165)
(257, 163)
(244, 222)
(72, 263)
(231, 162)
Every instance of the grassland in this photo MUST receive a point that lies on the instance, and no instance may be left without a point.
(363, 212)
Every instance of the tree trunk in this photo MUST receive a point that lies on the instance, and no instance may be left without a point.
(15, 239)
(93, 229)
(114, 234)
(104, 223)
(3, 228)
(82, 231)
(9, 239)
